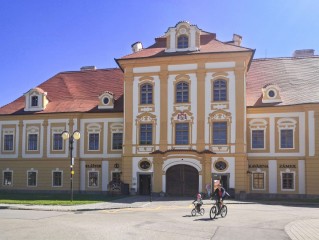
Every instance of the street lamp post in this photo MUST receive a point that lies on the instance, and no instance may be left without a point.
(75, 136)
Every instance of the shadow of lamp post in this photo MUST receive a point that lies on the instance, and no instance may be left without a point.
(75, 136)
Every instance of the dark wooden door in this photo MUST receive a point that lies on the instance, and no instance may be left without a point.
(182, 180)
(144, 184)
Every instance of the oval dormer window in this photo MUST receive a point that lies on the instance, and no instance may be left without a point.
(271, 93)
(106, 100)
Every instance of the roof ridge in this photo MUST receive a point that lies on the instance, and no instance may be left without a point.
(284, 58)
(79, 71)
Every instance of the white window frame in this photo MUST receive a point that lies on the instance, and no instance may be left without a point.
(287, 124)
(98, 178)
(56, 130)
(7, 185)
(116, 128)
(93, 128)
(54, 171)
(257, 148)
(294, 180)
(8, 131)
(227, 134)
(113, 149)
(99, 142)
(257, 124)
(36, 178)
(258, 170)
(31, 100)
(219, 116)
(36, 131)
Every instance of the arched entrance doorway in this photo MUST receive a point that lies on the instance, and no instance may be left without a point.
(181, 180)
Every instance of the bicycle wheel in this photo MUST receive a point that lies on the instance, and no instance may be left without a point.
(194, 212)
(202, 211)
(212, 212)
(223, 211)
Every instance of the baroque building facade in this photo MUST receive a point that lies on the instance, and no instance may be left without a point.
(183, 113)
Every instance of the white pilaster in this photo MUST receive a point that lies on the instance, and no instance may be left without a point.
(301, 176)
(82, 176)
(105, 175)
(272, 171)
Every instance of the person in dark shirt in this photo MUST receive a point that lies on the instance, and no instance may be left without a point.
(220, 194)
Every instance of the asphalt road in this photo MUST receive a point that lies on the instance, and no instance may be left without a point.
(156, 220)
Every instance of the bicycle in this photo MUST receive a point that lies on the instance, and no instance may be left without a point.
(216, 210)
(197, 209)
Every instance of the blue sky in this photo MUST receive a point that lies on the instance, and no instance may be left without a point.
(40, 38)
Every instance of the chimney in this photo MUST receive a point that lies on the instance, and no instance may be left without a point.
(237, 39)
(137, 47)
(304, 53)
(88, 68)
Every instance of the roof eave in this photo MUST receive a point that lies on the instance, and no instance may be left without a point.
(248, 50)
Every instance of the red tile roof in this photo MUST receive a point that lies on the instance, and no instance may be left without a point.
(208, 44)
(297, 78)
(76, 92)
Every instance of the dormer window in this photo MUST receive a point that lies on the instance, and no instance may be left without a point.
(106, 100)
(183, 37)
(271, 94)
(35, 100)
(182, 41)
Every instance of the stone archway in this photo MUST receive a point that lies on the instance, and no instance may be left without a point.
(182, 180)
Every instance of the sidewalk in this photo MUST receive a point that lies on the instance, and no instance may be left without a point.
(128, 202)
(303, 229)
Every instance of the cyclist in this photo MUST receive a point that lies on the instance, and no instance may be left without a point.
(220, 194)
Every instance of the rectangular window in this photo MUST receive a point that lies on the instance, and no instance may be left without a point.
(32, 179)
(57, 141)
(257, 140)
(34, 101)
(146, 94)
(8, 142)
(286, 138)
(258, 181)
(93, 179)
(32, 142)
(146, 134)
(117, 141)
(181, 133)
(220, 90)
(7, 178)
(94, 141)
(288, 181)
(116, 177)
(182, 92)
(220, 133)
(57, 179)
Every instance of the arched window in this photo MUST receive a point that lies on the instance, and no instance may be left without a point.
(146, 94)
(182, 41)
(182, 92)
(220, 90)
